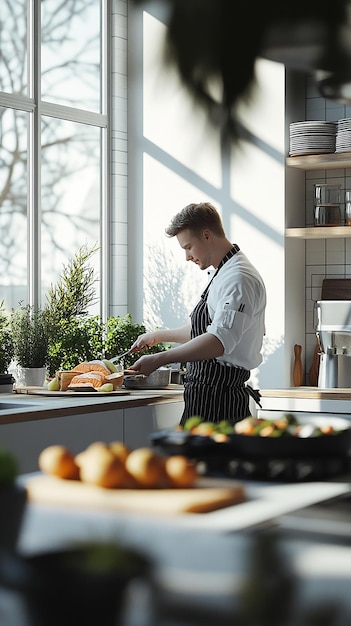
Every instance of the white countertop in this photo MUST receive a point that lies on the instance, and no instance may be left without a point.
(308, 399)
(20, 407)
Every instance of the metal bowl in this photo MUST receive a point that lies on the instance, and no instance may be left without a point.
(158, 379)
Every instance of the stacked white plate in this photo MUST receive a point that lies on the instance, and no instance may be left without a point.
(313, 137)
(343, 136)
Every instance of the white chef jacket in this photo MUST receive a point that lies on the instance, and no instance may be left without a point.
(236, 304)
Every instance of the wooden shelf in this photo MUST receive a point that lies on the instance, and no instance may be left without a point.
(320, 161)
(319, 232)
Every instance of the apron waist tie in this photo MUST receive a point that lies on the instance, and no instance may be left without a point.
(255, 394)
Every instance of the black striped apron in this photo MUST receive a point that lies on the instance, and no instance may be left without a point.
(213, 391)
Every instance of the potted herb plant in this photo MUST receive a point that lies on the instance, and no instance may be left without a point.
(74, 335)
(6, 351)
(29, 330)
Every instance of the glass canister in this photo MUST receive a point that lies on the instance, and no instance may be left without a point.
(328, 215)
(327, 194)
(327, 200)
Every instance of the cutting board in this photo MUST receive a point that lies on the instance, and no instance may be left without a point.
(197, 499)
(42, 391)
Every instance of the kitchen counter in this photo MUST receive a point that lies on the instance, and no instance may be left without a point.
(308, 392)
(308, 399)
(22, 407)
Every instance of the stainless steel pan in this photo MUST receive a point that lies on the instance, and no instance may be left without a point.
(158, 379)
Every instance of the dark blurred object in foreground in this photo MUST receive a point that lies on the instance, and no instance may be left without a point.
(215, 43)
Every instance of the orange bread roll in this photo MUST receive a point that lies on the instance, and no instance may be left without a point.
(58, 461)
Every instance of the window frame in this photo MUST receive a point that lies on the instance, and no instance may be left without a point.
(36, 108)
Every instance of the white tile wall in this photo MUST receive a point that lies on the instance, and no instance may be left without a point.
(119, 137)
(325, 258)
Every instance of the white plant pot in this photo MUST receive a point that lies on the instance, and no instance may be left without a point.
(30, 376)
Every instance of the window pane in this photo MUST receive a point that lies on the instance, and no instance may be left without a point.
(13, 46)
(70, 53)
(13, 206)
(70, 186)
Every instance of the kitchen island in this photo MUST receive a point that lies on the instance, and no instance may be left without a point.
(201, 561)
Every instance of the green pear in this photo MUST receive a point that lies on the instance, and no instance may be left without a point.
(107, 387)
(111, 366)
(54, 385)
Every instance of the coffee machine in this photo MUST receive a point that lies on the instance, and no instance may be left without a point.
(333, 330)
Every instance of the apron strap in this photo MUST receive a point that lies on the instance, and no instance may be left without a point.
(255, 394)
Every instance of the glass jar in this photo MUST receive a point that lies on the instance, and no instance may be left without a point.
(327, 194)
(328, 215)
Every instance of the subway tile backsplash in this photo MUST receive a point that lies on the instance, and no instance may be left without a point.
(325, 258)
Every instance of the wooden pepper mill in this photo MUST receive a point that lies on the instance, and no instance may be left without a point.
(314, 370)
(298, 368)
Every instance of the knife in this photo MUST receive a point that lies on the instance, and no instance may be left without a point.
(116, 358)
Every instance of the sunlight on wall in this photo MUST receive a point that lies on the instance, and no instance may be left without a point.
(258, 220)
(182, 163)
(258, 224)
(165, 193)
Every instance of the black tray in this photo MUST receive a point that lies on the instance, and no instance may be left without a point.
(286, 446)
(286, 457)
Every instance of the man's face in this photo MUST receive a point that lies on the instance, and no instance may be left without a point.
(196, 246)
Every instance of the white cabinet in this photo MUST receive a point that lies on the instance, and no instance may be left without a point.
(28, 438)
(140, 422)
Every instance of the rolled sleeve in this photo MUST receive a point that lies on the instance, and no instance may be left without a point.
(228, 325)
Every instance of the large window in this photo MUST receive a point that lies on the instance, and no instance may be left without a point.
(53, 141)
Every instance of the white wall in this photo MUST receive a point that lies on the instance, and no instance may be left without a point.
(175, 158)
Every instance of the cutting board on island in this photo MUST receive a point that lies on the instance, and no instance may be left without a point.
(200, 498)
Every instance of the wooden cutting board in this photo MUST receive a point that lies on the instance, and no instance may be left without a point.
(50, 490)
(42, 391)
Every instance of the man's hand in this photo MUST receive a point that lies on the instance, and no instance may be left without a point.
(144, 341)
(147, 364)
